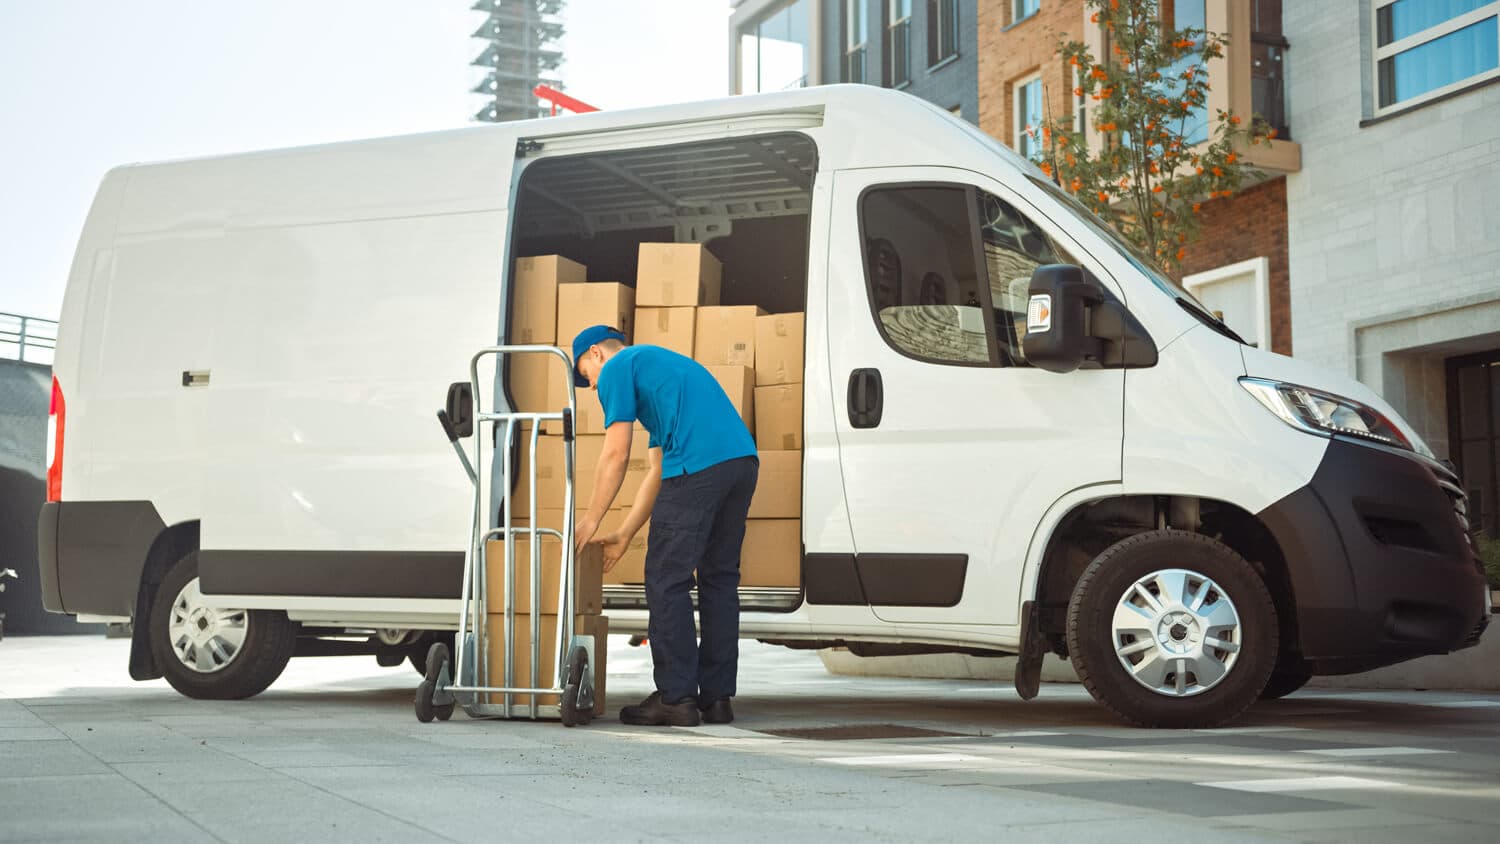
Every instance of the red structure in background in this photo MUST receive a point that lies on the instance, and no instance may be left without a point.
(560, 100)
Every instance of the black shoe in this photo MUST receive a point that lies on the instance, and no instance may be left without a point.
(652, 712)
(718, 712)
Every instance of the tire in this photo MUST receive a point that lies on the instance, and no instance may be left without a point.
(252, 649)
(1130, 578)
(417, 657)
(1285, 680)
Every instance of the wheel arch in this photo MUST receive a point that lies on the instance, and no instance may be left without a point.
(1078, 530)
(172, 544)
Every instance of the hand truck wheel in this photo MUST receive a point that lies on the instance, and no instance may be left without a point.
(572, 713)
(437, 658)
(568, 708)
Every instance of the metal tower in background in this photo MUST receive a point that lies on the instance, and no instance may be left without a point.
(519, 33)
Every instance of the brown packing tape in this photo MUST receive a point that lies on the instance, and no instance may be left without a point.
(663, 320)
(668, 291)
(788, 442)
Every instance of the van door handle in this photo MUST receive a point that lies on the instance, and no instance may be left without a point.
(866, 398)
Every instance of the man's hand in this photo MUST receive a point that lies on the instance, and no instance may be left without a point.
(587, 527)
(615, 544)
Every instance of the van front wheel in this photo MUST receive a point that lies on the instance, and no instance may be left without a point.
(1172, 629)
(211, 653)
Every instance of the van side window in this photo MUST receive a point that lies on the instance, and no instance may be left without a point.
(948, 268)
(1014, 247)
(920, 268)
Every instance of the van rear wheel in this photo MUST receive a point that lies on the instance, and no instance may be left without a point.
(1172, 629)
(211, 653)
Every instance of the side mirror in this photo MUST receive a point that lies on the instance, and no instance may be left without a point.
(1057, 337)
(1073, 321)
(460, 410)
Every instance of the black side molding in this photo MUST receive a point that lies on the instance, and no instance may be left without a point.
(333, 574)
(913, 580)
(831, 579)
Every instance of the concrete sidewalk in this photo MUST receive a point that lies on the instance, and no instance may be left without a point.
(332, 752)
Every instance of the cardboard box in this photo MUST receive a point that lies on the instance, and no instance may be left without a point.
(778, 349)
(739, 384)
(534, 301)
(676, 275)
(778, 417)
(670, 328)
(590, 416)
(528, 381)
(778, 487)
(588, 594)
(550, 486)
(631, 568)
(596, 303)
(772, 553)
(726, 336)
(596, 626)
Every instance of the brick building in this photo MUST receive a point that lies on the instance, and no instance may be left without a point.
(1240, 266)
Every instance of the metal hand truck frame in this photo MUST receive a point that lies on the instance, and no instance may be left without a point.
(572, 655)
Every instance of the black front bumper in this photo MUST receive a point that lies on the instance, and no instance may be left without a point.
(1380, 560)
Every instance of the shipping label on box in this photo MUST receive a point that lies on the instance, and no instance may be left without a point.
(596, 303)
(670, 328)
(778, 417)
(726, 335)
(589, 568)
(498, 648)
(676, 275)
(778, 486)
(778, 349)
(534, 299)
(772, 553)
(738, 383)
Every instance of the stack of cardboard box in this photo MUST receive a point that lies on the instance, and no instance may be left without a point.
(755, 357)
(517, 647)
(772, 554)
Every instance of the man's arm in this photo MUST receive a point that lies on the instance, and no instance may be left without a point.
(645, 499)
(609, 474)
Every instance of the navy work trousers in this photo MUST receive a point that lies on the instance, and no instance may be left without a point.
(698, 524)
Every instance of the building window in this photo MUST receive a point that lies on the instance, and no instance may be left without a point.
(1426, 48)
(1080, 104)
(856, 40)
(942, 30)
(1022, 9)
(1474, 435)
(1180, 15)
(775, 50)
(1028, 117)
(898, 43)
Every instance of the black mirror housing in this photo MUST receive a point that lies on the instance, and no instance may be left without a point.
(1057, 337)
(460, 409)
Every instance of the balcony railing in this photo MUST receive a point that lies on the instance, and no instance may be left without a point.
(20, 335)
(1268, 81)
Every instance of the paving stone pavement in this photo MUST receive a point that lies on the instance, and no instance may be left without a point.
(332, 752)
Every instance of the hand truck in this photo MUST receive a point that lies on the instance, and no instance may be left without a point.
(572, 655)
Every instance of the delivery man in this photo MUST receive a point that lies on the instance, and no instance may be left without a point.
(696, 494)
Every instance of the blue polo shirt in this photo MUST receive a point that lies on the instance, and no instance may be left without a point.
(679, 403)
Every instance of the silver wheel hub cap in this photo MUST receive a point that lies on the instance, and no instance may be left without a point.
(1176, 632)
(205, 639)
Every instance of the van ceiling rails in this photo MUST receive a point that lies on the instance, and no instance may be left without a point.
(697, 188)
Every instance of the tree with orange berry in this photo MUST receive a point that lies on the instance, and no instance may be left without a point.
(1159, 157)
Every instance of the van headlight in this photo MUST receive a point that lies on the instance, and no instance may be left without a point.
(1319, 412)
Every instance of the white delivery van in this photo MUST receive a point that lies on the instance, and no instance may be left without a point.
(1019, 436)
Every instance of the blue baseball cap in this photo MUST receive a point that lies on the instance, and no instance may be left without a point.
(587, 338)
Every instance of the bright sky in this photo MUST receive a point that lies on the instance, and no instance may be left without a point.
(87, 87)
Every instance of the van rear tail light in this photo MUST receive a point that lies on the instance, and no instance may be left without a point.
(56, 419)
